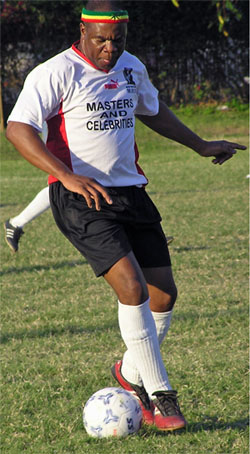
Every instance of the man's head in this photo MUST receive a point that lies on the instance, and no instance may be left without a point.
(103, 38)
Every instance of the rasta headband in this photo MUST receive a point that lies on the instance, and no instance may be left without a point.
(108, 17)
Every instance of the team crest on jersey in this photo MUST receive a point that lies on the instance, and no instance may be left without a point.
(131, 87)
(113, 84)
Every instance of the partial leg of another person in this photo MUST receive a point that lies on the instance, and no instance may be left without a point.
(14, 226)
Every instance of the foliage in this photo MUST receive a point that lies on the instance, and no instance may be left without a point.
(39, 19)
(47, 25)
(55, 22)
(182, 46)
(226, 10)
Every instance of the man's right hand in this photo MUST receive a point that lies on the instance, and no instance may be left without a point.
(27, 141)
(88, 188)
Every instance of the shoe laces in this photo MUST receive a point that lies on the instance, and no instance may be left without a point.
(166, 402)
(143, 395)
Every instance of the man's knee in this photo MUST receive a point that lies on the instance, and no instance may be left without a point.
(168, 299)
(163, 301)
(132, 292)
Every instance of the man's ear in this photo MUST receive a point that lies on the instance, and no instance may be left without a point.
(82, 29)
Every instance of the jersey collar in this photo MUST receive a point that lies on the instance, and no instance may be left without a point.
(75, 48)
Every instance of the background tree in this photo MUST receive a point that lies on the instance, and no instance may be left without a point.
(194, 51)
(225, 9)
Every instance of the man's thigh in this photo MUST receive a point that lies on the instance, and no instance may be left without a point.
(149, 245)
(99, 238)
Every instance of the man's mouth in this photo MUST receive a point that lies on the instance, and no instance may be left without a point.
(108, 61)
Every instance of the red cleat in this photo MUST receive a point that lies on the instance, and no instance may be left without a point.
(167, 415)
(139, 392)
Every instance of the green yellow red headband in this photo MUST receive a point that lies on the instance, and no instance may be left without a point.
(108, 17)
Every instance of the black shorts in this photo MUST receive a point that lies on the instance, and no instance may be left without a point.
(103, 237)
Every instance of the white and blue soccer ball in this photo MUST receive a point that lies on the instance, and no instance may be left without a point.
(112, 412)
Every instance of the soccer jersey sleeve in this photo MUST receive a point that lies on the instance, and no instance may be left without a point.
(39, 99)
(148, 103)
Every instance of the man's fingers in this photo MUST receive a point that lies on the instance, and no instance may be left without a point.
(105, 195)
(88, 188)
(87, 197)
(91, 195)
(222, 158)
(238, 146)
(95, 190)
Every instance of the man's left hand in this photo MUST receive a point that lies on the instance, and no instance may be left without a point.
(222, 150)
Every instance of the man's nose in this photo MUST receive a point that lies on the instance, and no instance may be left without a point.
(110, 47)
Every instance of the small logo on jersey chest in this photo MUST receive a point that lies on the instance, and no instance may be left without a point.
(131, 86)
(112, 85)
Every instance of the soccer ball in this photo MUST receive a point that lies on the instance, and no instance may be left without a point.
(112, 412)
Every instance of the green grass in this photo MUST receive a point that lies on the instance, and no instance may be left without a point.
(60, 333)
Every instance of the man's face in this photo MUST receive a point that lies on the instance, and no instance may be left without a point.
(103, 44)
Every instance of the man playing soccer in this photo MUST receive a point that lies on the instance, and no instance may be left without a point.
(89, 95)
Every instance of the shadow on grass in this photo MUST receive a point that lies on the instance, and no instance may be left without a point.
(49, 331)
(189, 191)
(53, 266)
(55, 331)
(4, 205)
(190, 248)
(56, 266)
(209, 424)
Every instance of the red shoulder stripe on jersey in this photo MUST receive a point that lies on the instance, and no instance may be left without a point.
(139, 169)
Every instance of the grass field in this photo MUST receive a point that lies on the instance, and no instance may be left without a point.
(60, 332)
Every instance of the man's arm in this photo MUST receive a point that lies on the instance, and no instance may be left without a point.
(26, 140)
(168, 125)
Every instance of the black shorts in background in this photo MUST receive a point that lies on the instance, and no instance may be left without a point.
(103, 237)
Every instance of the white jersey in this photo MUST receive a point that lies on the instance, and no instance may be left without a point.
(90, 114)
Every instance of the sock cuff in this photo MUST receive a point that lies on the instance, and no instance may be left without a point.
(160, 315)
(134, 318)
(128, 307)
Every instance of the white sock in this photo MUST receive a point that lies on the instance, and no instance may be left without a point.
(129, 369)
(38, 205)
(138, 331)
(162, 323)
